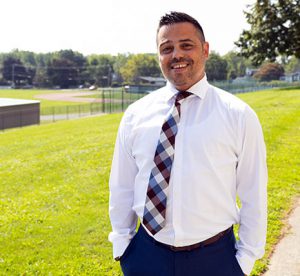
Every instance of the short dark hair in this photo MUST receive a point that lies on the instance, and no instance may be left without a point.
(179, 17)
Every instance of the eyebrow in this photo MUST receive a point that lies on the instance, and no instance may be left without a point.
(181, 40)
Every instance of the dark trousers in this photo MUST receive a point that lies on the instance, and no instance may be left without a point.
(145, 257)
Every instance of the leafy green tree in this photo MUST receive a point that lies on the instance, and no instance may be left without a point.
(293, 65)
(41, 78)
(269, 71)
(14, 71)
(119, 62)
(275, 31)
(26, 57)
(216, 67)
(140, 65)
(100, 70)
(65, 68)
(236, 65)
(63, 73)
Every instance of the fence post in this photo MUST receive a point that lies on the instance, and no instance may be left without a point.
(103, 102)
(123, 89)
(110, 99)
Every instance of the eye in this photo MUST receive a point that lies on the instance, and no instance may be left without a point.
(186, 46)
(166, 50)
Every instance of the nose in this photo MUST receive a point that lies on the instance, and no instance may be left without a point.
(177, 53)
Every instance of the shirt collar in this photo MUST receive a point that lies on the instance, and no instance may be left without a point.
(199, 89)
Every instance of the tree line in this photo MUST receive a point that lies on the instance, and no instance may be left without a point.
(69, 69)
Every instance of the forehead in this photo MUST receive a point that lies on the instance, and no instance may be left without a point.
(177, 32)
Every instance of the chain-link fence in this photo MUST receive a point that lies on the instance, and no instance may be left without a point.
(104, 101)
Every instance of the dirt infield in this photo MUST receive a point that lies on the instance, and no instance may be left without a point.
(70, 97)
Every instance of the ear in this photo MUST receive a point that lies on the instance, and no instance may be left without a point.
(205, 49)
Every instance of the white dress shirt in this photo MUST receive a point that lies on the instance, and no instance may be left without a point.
(219, 154)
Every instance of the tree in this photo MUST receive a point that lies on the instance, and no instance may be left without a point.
(236, 65)
(65, 68)
(119, 62)
(275, 31)
(140, 65)
(216, 67)
(100, 69)
(293, 65)
(269, 71)
(63, 73)
(14, 71)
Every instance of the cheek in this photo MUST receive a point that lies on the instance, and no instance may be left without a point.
(163, 62)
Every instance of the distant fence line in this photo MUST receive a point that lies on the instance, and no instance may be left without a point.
(114, 100)
(111, 100)
(251, 86)
(106, 101)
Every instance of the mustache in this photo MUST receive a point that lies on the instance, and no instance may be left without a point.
(177, 60)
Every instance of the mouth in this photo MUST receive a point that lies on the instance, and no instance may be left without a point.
(179, 66)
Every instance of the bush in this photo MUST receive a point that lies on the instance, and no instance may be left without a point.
(269, 72)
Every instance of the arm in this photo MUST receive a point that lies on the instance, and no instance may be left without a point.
(252, 191)
(122, 177)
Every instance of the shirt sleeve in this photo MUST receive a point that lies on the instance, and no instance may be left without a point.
(123, 171)
(252, 179)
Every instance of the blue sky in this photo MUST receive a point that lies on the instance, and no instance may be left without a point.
(111, 26)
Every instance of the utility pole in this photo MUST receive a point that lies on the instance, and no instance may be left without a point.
(109, 79)
(13, 76)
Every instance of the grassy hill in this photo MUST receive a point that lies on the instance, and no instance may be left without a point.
(54, 188)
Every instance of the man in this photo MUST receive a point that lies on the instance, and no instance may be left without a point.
(182, 156)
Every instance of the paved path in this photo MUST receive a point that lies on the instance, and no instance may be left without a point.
(58, 117)
(285, 260)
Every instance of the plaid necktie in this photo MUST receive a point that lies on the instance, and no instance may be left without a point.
(156, 200)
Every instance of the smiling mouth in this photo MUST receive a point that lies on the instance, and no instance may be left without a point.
(179, 66)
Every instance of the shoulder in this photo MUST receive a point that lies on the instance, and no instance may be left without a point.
(229, 102)
(139, 109)
(141, 105)
(233, 108)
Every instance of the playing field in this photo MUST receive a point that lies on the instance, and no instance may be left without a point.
(54, 188)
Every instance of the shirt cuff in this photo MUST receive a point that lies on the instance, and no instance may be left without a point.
(119, 247)
(246, 263)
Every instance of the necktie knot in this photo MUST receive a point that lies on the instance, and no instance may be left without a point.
(179, 98)
(182, 95)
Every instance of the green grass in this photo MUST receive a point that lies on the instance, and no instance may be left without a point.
(53, 198)
(279, 113)
(54, 188)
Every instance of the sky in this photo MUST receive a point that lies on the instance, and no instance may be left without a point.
(112, 26)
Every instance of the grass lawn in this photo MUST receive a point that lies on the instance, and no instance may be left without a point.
(54, 188)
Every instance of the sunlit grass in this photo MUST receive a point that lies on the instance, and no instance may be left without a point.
(279, 113)
(54, 188)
